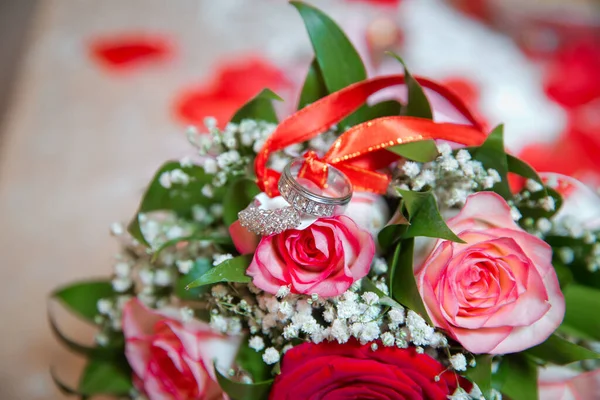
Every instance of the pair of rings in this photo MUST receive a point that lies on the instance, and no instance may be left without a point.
(303, 197)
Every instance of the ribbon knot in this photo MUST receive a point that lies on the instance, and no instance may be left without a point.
(314, 169)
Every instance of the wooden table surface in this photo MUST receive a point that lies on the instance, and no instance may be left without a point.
(79, 144)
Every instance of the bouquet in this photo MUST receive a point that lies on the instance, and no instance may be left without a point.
(354, 250)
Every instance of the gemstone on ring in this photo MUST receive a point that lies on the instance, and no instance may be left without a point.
(268, 222)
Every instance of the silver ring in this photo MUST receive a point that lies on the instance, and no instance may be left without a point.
(268, 222)
(335, 195)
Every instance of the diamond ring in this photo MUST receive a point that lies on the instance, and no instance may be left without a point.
(306, 197)
(268, 222)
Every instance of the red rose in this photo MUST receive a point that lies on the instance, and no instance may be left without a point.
(336, 371)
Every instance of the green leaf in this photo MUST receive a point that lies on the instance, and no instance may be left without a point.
(403, 285)
(232, 270)
(179, 198)
(424, 217)
(63, 387)
(331, 46)
(538, 212)
(237, 197)
(517, 377)
(368, 286)
(314, 86)
(557, 350)
(581, 314)
(563, 273)
(339, 62)
(225, 240)
(82, 297)
(383, 109)
(260, 108)
(251, 361)
(491, 154)
(393, 231)
(201, 266)
(244, 391)
(422, 151)
(102, 377)
(481, 374)
(521, 168)
(418, 105)
(105, 353)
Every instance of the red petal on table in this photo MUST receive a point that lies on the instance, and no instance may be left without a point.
(232, 85)
(127, 52)
(564, 157)
(391, 3)
(478, 9)
(584, 129)
(573, 79)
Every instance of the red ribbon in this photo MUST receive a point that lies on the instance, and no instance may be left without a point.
(358, 151)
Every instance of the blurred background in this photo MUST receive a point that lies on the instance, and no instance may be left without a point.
(94, 96)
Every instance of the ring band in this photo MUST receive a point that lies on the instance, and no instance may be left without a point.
(268, 222)
(306, 201)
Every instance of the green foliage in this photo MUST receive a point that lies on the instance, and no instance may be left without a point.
(100, 377)
(368, 286)
(424, 217)
(201, 267)
(82, 297)
(339, 64)
(557, 350)
(251, 361)
(393, 232)
(521, 168)
(179, 198)
(581, 316)
(111, 352)
(314, 86)
(403, 287)
(103, 377)
(382, 109)
(418, 105)
(232, 270)
(563, 273)
(244, 391)
(239, 194)
(225, 240)
(107, 371)
(63, 387)
(538, 212)
(422, 151)
(481, 374)
(517, 377)
(492, 155)
(259, 108)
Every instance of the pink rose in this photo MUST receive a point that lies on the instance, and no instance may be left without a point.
(498, 293)
(172, 359)
(325, 258)
(557, 383)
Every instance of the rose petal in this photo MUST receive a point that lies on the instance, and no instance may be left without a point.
(483, 210)
(244, 241)
(528, 336)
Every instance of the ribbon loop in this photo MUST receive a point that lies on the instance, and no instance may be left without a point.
(358, 151)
